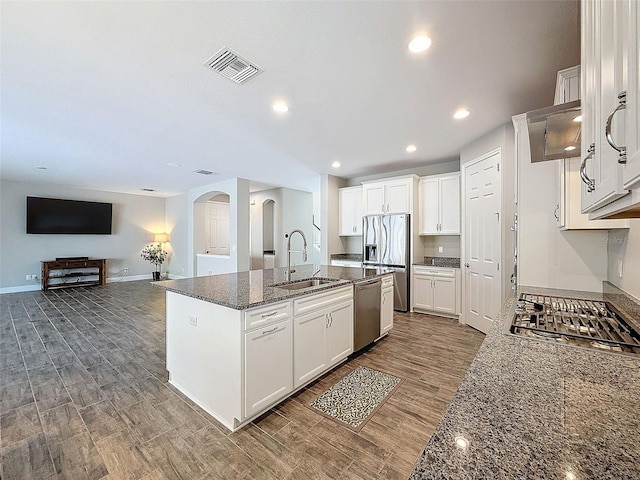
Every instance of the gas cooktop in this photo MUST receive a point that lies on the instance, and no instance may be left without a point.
(583, 323)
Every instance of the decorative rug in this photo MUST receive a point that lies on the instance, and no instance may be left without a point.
(354, 399)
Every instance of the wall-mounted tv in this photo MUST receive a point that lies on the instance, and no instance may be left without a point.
(57, 216)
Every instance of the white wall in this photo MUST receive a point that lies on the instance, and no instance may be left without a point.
(503, 138)
(624, 246)
(176, 223)
(329, 217)
(549, 257)
(297, 212)
(135, 219)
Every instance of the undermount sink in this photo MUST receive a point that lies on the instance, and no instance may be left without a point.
(307, 283)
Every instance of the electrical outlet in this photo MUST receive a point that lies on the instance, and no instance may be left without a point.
(126, 269)
(620, 265)
(193, 320)
(32, 277)
(440, 249)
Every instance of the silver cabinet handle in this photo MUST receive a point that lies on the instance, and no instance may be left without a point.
(591, 184)
(265, 332)
(622, 150)
(555, 213)
(267, 315)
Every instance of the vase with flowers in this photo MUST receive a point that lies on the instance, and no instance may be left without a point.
(156, 255)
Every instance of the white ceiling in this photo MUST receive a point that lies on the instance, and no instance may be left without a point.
(105, 94)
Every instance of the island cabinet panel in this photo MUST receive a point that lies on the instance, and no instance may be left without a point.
(204, 355)
(340, 332)
(309, 358)
(386, 305)
(268, 365)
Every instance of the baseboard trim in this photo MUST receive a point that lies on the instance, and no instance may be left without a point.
(19, 288)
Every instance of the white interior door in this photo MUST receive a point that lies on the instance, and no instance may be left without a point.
(482, 247)
(217, 231)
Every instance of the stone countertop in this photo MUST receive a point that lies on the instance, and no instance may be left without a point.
(351, 257)
(447, 262)
(537, 410)
(244, 290)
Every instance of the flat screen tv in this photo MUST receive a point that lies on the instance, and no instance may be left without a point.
(56, 216)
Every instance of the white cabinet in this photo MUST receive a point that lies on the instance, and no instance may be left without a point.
(323, 333)
(268, 363)
(386, 305)
(567, 210)
(439, 203)
(351, 211)
(436, 289)
(610, 110)
(394, 195)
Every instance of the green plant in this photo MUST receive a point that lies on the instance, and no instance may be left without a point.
(155, 254)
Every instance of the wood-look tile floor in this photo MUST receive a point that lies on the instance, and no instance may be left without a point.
(84, 395)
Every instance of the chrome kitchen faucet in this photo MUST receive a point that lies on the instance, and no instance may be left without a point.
(289, 251)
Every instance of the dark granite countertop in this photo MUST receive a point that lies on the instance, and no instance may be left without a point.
(448, 262)
(534, 409)
(244, 290)
(351, 257)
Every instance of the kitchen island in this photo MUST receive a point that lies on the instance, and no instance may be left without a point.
(531, 409)
(239, 343)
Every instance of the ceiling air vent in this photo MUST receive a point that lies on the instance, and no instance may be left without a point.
(205, 172)
(232, 66)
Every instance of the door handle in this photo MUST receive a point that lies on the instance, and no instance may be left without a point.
(591, 184)
(467, 265)
(555, 213)
(622, 150)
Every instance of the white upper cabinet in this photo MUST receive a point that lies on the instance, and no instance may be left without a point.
(611, 119)
(394, 195)
(440, 204)
(351, 211)
(567, 211)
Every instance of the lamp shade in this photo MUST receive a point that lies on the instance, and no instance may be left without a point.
(160, 237)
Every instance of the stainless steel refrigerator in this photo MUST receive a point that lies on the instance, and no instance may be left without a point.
(386, 243)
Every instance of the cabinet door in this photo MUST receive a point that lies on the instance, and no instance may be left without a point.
(386, 310)
(429, 206)
(423, 292)
(268, 366)
(399, 196)
(358, 210)
(631, 171)
(339, 339)
(444, 295)
(346, 200)
(309, 357)
(450, 205)
(604, 50)
(374, 198)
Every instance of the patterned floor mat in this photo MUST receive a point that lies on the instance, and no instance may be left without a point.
(355, 398)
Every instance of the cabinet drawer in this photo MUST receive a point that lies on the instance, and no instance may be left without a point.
(387, 281)
(321, 300)
(435, 272)
(261, 316)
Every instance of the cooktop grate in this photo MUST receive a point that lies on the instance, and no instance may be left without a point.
(587, 323)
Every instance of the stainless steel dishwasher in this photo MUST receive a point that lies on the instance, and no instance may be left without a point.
(366, 312)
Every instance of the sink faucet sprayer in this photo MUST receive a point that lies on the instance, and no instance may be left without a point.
(289, 251)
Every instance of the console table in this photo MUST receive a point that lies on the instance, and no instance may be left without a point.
(64, 273)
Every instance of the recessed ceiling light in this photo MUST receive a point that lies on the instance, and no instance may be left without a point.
(461, 113)
(411, 148)
(578, 118)
(569, 148)
(280, 107)
(419, 44)
(40, 167)
(336, 164)
(173, 164)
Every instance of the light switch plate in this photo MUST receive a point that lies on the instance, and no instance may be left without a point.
(193, 320)
(620, 264)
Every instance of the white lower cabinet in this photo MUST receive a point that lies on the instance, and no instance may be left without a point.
(323, 335)
(268, 362)
(386, 305)
(436, 290)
